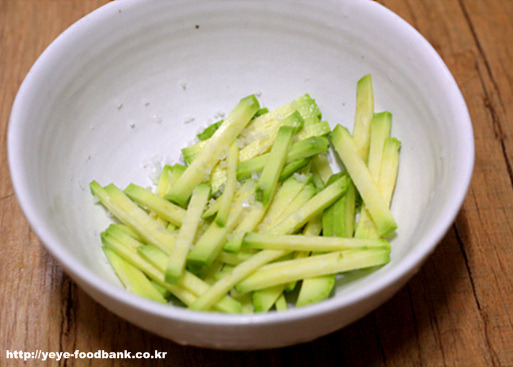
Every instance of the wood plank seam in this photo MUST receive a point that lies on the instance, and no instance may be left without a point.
(491, 351)
(415, 321)
(378, 338)
(67, 325)
(500, 134)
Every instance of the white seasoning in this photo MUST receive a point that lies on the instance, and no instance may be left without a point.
(241, 142)
(255, 175)
(301, 177)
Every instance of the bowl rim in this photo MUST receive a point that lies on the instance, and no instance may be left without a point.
(405, 268)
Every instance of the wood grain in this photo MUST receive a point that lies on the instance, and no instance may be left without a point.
(457, 311)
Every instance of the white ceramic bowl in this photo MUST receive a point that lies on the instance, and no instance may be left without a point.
(132, 82)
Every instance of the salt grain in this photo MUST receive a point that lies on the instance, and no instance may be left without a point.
(157, 118)
(240, 142)
(301, 177)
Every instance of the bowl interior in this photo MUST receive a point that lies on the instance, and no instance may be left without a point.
(122, 92)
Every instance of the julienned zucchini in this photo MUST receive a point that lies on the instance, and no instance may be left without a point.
(335, 262)
(367, 186)
(257, 211)
(206, 160)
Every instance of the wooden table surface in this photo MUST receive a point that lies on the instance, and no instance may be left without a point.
(457, 311)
